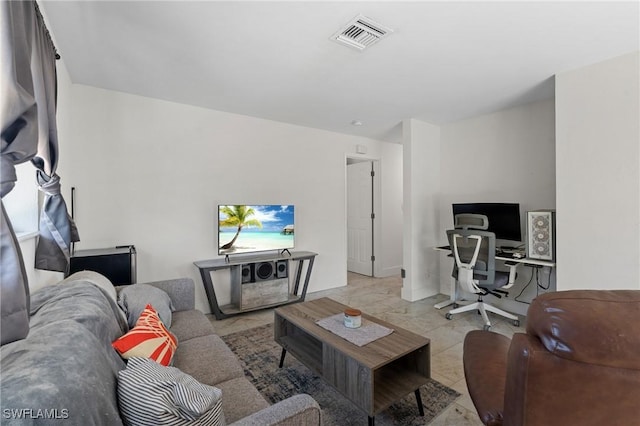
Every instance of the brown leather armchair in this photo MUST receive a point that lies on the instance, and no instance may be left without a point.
(577, 364)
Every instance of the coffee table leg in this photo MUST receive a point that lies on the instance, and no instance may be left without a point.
(284, 352)
(372, 420)
(419, 401)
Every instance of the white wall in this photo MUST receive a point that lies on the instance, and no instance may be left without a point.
(507, 156)
(598, 175)
(134, 187)
(151, 173)
(390, 247)
(422, 187)
(37, 278)
(21, 203)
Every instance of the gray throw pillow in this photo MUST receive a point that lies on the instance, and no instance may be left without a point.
(154, 395)
(134, 298)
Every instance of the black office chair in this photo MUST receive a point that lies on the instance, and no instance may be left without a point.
(474, 250)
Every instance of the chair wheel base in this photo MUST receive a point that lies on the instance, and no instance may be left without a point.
(516, 323)
(448, 316)
(486, 327)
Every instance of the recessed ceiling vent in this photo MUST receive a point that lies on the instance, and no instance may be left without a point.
(361, 33)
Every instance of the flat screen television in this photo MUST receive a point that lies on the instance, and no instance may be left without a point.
(504, 218)
(255, 228)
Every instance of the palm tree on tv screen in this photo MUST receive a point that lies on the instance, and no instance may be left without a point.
(237, 216)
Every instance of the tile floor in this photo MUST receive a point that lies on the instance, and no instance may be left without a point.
(381, 297)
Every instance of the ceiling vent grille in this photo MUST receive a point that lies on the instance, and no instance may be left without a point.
(361, 33)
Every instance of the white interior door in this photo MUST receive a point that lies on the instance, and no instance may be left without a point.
(360, 218)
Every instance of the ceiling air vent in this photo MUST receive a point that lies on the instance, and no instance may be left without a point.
(361, 33)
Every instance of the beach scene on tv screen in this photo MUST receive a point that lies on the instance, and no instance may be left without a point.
(252, 228)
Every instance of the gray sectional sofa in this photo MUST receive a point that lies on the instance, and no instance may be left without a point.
(66, 370)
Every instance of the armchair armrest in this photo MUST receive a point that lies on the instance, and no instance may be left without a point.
(298, 410)
(485, 370)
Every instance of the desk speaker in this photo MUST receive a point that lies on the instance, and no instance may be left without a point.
(265, 271)
(282, 269)
(247, 273)
(541, 235)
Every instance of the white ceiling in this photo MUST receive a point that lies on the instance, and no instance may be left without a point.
(445, 61)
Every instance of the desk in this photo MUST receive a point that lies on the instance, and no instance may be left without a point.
(502, 257)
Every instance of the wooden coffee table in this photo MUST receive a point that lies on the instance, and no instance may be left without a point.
(372, 376)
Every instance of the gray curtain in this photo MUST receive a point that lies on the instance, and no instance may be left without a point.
(28, 129)
(57, 230)
(19, 134)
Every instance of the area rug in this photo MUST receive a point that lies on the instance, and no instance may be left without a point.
(260, 355)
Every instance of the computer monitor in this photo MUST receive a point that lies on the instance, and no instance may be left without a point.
(504, 218)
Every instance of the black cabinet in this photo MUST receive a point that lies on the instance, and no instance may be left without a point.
(118, 263)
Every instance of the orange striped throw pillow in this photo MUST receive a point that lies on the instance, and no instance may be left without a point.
(148, 339)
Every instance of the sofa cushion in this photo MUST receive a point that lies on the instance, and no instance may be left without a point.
(208, 360)
(134, 298)
(180, 290)
(150, 394)
(149, 339)
(103, 283)
(66, 363)
(240, 399)
(82, 302)
(189, 324)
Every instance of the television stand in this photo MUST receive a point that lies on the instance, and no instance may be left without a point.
(258, 281)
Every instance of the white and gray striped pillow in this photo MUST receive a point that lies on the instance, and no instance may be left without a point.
(154, 395)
